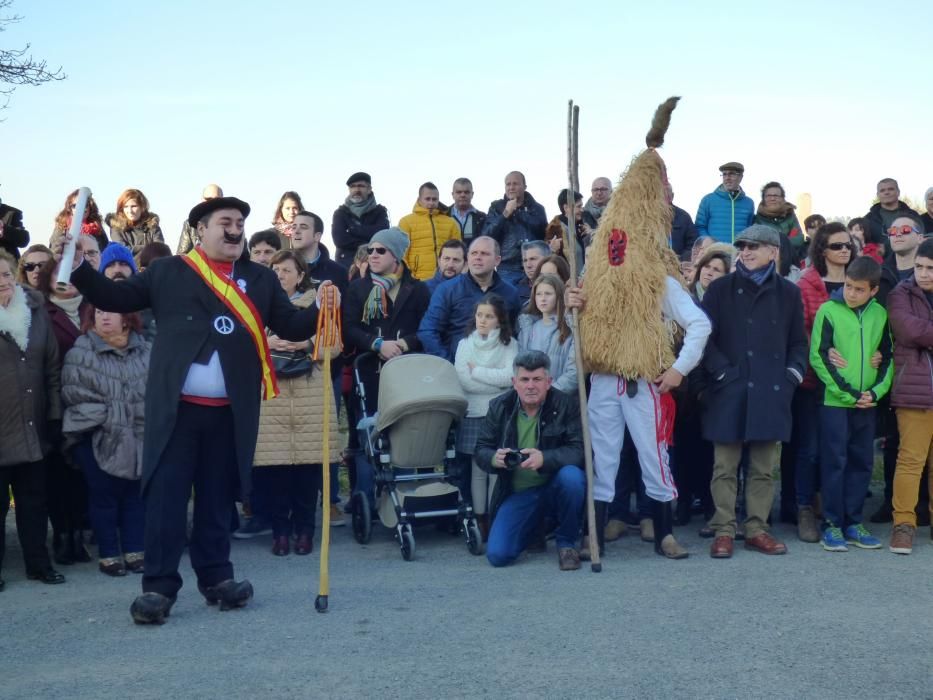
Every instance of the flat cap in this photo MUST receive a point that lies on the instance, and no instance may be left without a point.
(759, 233)
(211, 205)
(359, 177)
(733, 166)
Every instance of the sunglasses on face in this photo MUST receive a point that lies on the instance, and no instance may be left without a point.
(905, 230)
(746, 245)
(839, 246)
(30, 267)
(378, 250)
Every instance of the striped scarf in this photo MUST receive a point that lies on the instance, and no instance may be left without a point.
(376, 304)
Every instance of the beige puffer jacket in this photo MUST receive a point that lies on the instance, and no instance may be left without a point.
(290, 425)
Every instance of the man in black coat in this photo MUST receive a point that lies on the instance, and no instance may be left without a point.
(381, 314)
(12, 234)
(754, 360)
(357, 219)
(202, 397)
(532, 440)
(511, 221)
(883, 212)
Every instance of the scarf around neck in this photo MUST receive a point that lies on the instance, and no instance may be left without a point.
(16, 319)
(361, 208)
(594, 210)
(759, 276)
(70, 307)
(376, 305)
(778, 211)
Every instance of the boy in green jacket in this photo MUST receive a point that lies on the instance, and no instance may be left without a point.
(856, 326)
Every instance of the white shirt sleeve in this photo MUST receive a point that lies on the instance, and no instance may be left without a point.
(679, 306)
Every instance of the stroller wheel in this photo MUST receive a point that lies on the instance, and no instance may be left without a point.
(407, 543)
(474, 538)
(362, 518)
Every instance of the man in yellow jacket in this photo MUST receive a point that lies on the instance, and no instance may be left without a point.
(428, 227)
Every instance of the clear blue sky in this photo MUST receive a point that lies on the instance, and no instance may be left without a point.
(826, 97)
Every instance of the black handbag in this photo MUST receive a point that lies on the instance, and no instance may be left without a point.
(292, 364)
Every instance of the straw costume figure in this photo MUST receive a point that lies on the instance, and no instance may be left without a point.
(635, 302)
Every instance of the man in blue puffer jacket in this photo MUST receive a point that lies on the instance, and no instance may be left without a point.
(452, 303)
(726, 210)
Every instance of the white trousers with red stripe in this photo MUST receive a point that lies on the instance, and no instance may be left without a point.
(610, 410)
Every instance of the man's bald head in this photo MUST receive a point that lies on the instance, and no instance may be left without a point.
(211, 192)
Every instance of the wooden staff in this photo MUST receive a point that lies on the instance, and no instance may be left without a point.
(327, 338)
(573, 178)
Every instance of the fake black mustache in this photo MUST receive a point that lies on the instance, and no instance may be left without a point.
(232, 237)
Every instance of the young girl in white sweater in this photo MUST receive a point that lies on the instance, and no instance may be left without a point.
(484, 365)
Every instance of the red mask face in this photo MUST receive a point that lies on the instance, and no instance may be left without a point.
(618, 241)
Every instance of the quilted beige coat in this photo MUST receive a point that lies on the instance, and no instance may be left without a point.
(290, 425)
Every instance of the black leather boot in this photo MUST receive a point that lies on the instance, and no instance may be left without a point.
(61, 551)
(663, 517)
(151, 608)
(229, 594)
(81, 554)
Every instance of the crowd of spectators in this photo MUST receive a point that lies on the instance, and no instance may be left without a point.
(812, 341)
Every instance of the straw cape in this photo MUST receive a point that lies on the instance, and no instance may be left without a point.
(622, 328)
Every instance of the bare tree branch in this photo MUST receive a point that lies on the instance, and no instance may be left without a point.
(18, 67)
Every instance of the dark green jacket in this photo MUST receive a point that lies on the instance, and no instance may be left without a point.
(855, 334)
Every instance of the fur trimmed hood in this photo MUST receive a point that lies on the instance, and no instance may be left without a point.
(16, 319)
(118, 221)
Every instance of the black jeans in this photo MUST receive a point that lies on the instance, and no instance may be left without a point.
(200, 454)
(28, 484)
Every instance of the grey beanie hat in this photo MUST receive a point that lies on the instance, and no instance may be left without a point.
(759, 233)
(395, 239)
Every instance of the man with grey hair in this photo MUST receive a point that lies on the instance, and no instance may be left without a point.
(600, 192)
(755, 358)
(533, 252)
(189, 234)
(532, 441)
(470, 219)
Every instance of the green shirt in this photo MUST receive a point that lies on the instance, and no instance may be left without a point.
(523, 479)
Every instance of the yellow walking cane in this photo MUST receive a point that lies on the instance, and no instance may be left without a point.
(327, 339)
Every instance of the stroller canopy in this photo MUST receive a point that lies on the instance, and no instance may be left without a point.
(418, 383)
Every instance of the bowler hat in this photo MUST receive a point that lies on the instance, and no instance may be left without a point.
(211, 205)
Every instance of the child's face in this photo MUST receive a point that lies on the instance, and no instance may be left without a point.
(546, 299)
(486, 319)
(858, 292)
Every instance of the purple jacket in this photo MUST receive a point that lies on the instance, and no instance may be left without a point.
(911, 319)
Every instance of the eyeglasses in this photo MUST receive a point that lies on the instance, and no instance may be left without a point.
(839, 246)
(92, 253)
(30, 267)
(743, 245)
(600, 189)
(896, 232)
(378, 250)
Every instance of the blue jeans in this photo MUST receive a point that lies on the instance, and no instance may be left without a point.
(519, 514)
(806, 407)
(846, 461)
(115, 506)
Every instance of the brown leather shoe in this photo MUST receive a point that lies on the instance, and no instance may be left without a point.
(765, 543)
(568, 558)
(280, 546)
(304, 545)
(721, 547)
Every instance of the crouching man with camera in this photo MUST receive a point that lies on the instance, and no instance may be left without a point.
(532, 440)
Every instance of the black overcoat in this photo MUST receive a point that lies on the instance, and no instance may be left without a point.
(757, 338)
(184, 309)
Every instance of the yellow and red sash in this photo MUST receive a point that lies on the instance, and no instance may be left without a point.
(240, 306)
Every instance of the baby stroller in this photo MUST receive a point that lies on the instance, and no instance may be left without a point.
(409, 444)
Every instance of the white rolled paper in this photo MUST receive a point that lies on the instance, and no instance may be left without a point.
(77, 219)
